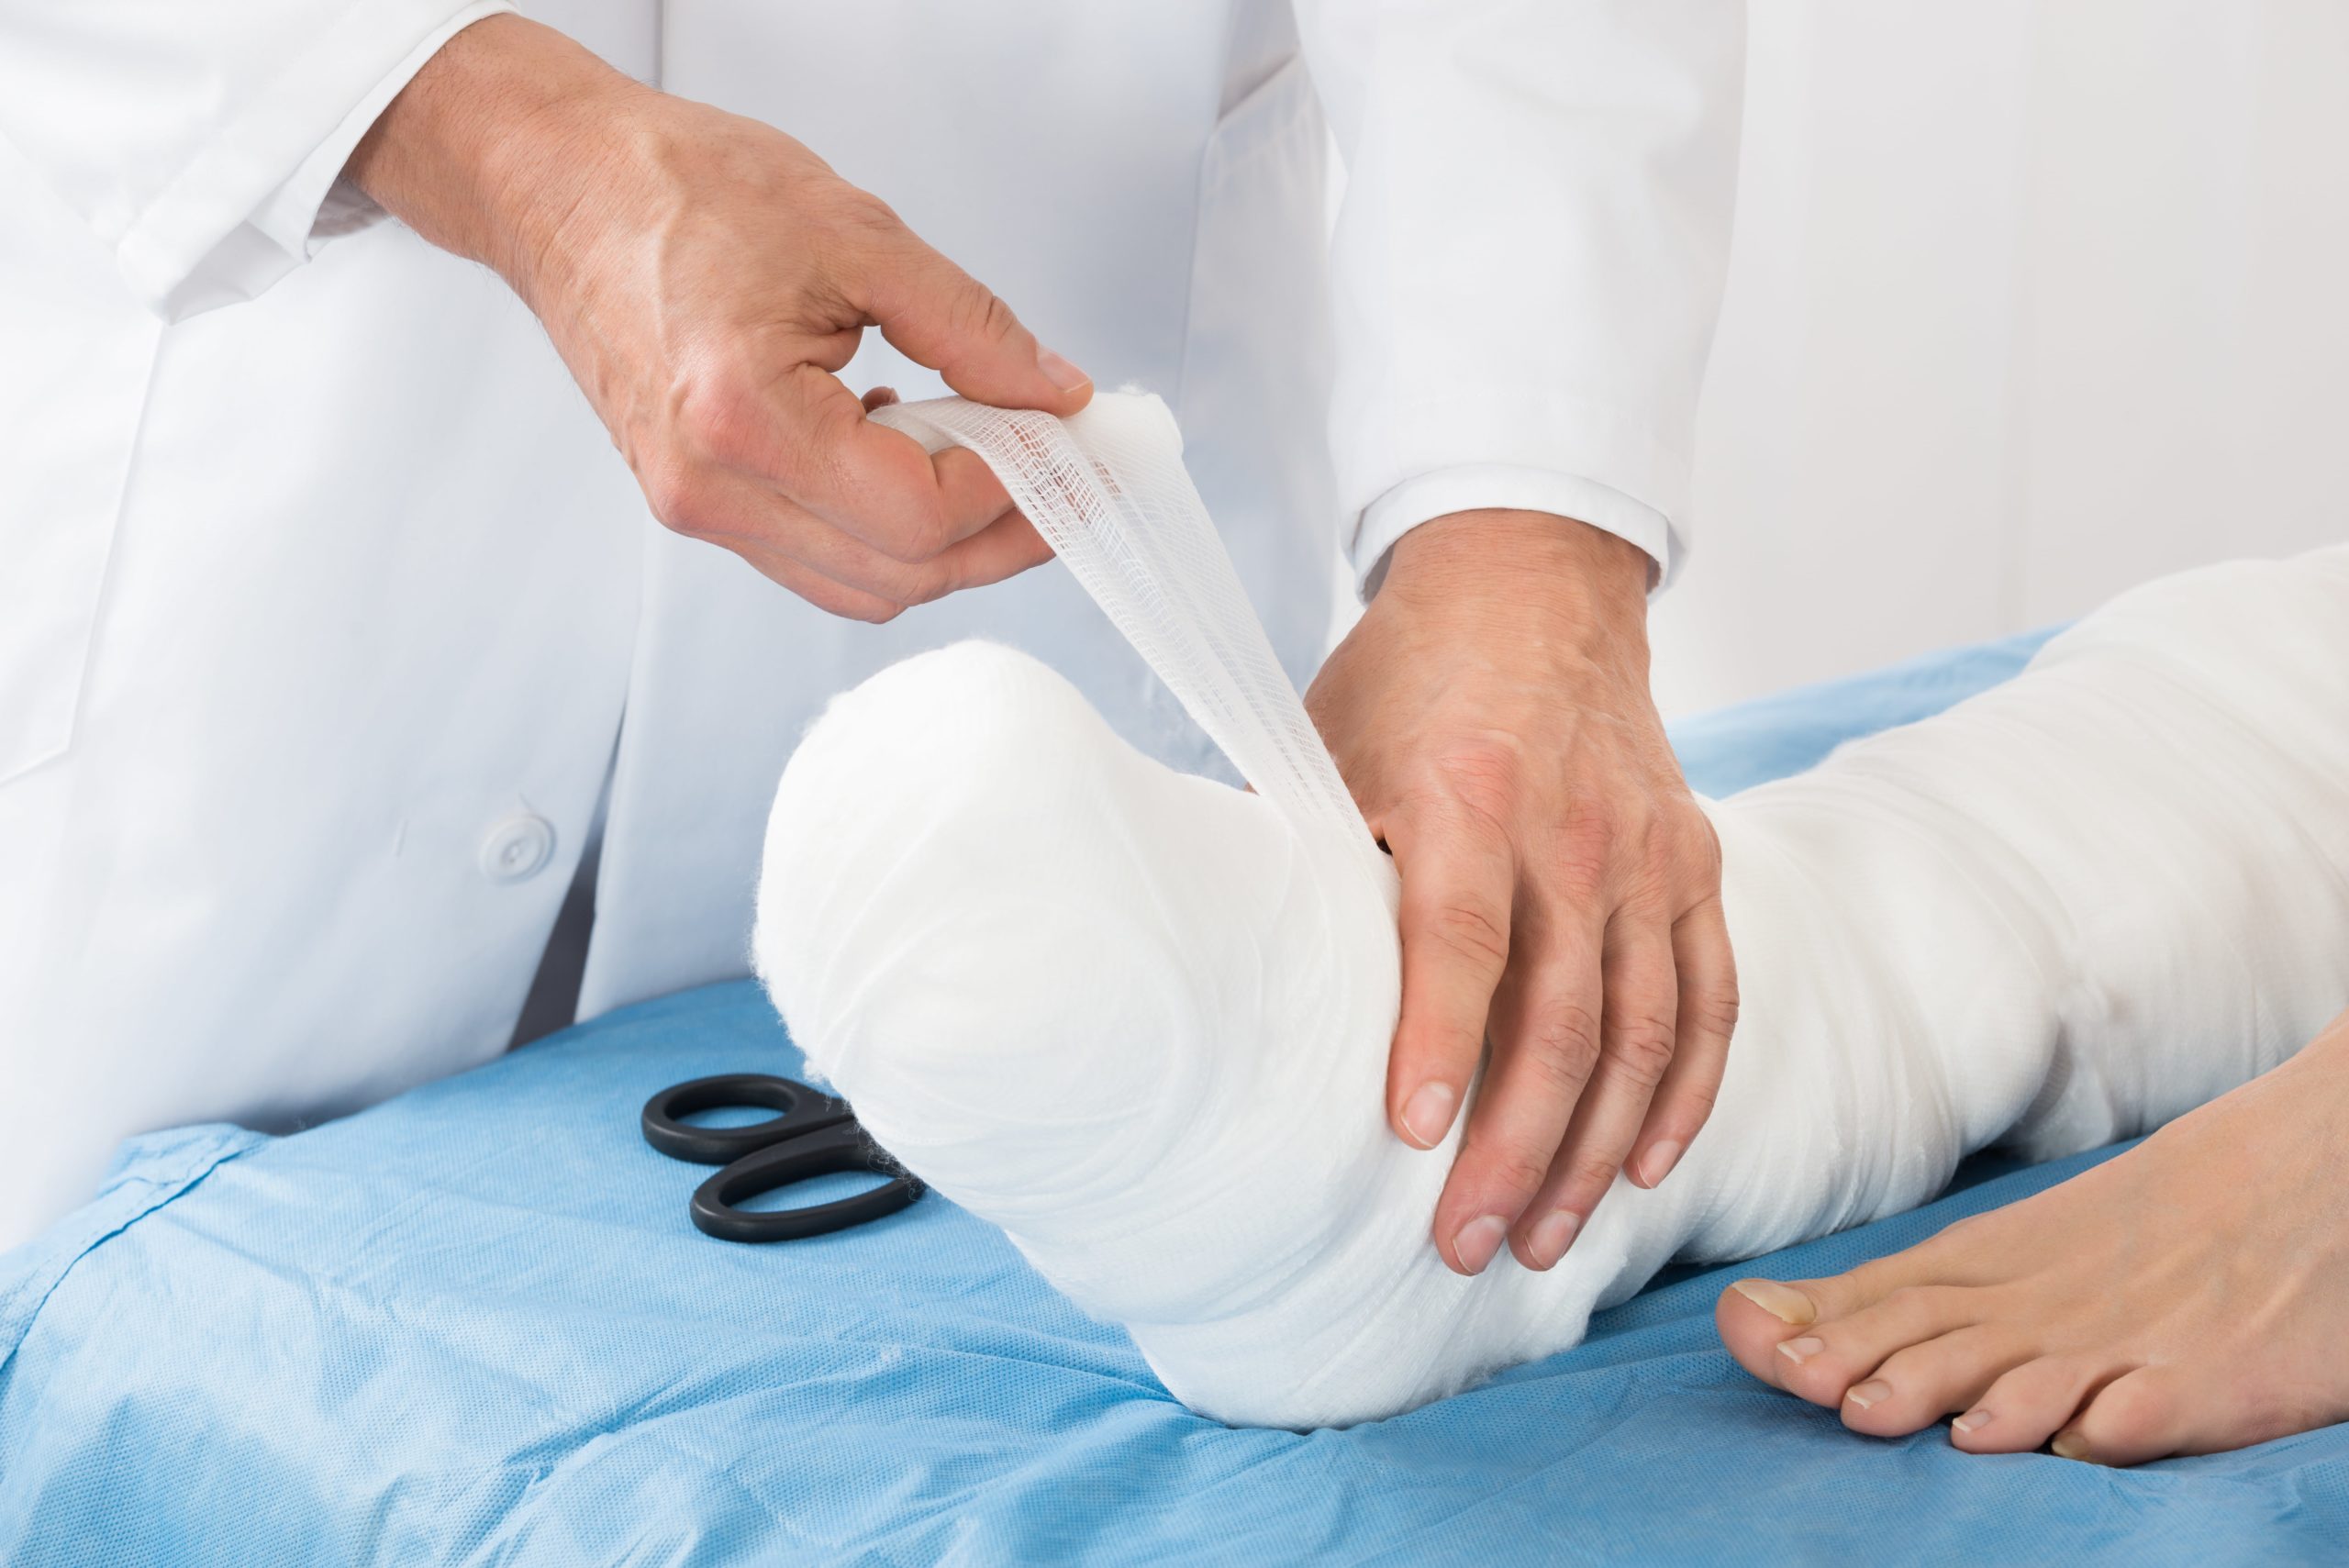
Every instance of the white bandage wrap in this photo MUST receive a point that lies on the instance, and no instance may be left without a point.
(1140, 1019)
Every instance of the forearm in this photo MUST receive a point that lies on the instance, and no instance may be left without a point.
(497, 144)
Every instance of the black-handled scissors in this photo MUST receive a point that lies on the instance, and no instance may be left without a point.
(815, 1135)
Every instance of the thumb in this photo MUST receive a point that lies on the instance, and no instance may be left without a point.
(938, 315)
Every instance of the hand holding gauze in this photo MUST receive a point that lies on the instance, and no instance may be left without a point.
(705, 276)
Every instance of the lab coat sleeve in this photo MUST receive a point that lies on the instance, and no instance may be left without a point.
(1528, 256)
(202, 140)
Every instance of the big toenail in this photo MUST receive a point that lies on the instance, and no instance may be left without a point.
(2068, 1447)
(1971, 1421)
(1783, 1302)
(1477, 1241)
(1427, 1115)
(1802, 1350)
(1549, 1240)
(1874, 1391)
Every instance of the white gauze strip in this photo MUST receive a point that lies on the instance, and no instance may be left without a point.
(1107, 490)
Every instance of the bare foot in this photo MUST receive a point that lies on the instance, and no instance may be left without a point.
(2187, 1296)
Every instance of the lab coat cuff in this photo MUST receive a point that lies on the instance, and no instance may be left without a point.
(236, 219)
(1480, 485)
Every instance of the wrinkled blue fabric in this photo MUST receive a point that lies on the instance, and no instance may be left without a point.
(473, 1325)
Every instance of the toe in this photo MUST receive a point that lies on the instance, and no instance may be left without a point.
(2027, 1406)
(1919, 1386)
(1756, 1316)
(1823, 1362)
(1753, 1316)
(2140, 1416)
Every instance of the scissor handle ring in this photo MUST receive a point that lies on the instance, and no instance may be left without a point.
(802, 1110)
(830, 1150)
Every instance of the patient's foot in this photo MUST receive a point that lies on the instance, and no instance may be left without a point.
(1140, 1022)
(1131, 1017)
(2189, 1297)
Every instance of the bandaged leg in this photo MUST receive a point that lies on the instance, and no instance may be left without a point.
(1140, 1020)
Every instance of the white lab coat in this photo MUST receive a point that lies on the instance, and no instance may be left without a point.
(329, 616)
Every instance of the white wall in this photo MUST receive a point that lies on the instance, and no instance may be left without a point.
(2030, 299)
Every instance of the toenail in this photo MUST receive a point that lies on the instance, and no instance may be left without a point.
(1427, 1115)
(2068, 1447)
(1802, 1350)
(1553, 1236)
(1783, 1302)
(1873, 1392)
(1476, 1242)
(1971, 1421)
(1658, 1163)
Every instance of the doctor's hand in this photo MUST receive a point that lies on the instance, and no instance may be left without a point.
(1561, 888)
(706, 277)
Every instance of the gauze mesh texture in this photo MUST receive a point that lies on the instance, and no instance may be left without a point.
(1107, 490)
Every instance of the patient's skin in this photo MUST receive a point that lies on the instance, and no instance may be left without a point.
(2190, 1295)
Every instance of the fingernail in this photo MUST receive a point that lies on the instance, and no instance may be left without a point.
(1058, 371)
(2068, 1447)
(1802, 1350)
(1874, 1391)
(1427, 1115)
(1477, 1241)
(1658, 1163)
(1553, 1236)
(1971, 1421)
(1783, 1302)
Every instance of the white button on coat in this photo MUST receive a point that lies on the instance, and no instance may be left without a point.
(517, 848)
(294, 577)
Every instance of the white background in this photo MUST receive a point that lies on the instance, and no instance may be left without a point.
(2030, 301)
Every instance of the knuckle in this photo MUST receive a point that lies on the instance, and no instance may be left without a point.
(980, 313)
(923, 534)
(1591, 1174)
(1563, 1046)
(1642, 1048)
(1697, 1097)
(1715, 1011)
(911, 530)
(924, 585)
(1470, 931)
(820, 455)
(1698, 848)
(873, 612)
(858, 212)
(883, 577)
(1584, 849)
(722, 411)
(675, 495)
(1662, 866)
(1518, 1169)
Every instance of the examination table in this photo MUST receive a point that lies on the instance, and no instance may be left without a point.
(473, 1325)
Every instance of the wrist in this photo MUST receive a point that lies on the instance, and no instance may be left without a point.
(484, 152)
(1547, 564)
